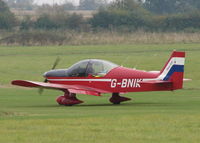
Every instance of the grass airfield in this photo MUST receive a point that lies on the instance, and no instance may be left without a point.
(26, 116)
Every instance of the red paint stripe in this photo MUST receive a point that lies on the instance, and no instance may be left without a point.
(178, 54)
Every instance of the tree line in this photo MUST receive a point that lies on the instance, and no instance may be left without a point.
(31, 5)
(154, 6)
(123, 15)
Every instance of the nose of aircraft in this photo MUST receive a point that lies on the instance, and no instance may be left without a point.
(55, 73)
(45, 74)
(49, 73)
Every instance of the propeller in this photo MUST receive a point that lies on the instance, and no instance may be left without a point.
(56, 63)
(53, 67)
(40, 91)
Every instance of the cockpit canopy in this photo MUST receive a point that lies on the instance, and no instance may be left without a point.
(84, 68)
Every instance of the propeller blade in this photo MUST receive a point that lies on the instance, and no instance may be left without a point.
(55, 63)
(53, 67)
(40, 90)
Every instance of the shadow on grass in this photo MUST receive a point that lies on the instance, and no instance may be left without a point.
(141, 104)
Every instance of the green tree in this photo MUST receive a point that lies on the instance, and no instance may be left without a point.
(171, 6)
(3, 7)
(182, 22)
(7, 19)
(91, 4)
(26, 23)
(46, 22)
(74, 21)
(20, 4)
(126, 13)
(194, 4)
(68, 6)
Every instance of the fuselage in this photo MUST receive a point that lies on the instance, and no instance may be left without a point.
(119, 79)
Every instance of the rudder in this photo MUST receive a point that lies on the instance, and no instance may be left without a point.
(174, 69)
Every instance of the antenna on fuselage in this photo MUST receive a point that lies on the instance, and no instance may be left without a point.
(124, 61)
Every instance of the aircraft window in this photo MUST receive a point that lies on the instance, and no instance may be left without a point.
(94, 68)
(99, 68)
(78, 69)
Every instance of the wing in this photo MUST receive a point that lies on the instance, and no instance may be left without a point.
(78, 89)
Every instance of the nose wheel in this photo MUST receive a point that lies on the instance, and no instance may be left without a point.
(117, 99)
(68, 99)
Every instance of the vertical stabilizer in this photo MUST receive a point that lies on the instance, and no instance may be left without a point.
(174, 70)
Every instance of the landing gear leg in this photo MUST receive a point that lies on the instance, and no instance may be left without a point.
(68, 99)
(116, 99)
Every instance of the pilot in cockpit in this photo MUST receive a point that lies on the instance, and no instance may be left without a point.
(90, 70)
(95, 69)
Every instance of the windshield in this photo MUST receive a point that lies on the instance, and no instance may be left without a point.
(78, 69)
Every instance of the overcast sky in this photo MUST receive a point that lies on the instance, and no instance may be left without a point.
(76, 2)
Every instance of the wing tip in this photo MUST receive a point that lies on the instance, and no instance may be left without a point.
(23, 83)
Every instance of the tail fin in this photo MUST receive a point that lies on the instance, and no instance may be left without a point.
(174, 69)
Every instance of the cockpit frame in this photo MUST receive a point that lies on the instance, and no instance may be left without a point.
(91, 67)
(84, 68)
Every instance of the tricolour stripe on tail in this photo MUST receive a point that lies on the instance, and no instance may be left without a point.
(174, 69)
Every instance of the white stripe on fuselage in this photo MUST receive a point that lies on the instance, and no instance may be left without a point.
(101, 80)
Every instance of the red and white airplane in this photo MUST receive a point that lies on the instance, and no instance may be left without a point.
(96, 77)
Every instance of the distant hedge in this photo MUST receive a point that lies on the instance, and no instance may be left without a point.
(119, 18)
(181, 22)
(112, 19)
(49, 22)
(128, 16)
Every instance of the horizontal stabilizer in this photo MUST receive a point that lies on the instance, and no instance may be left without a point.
(156, 82)
(187, 79)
